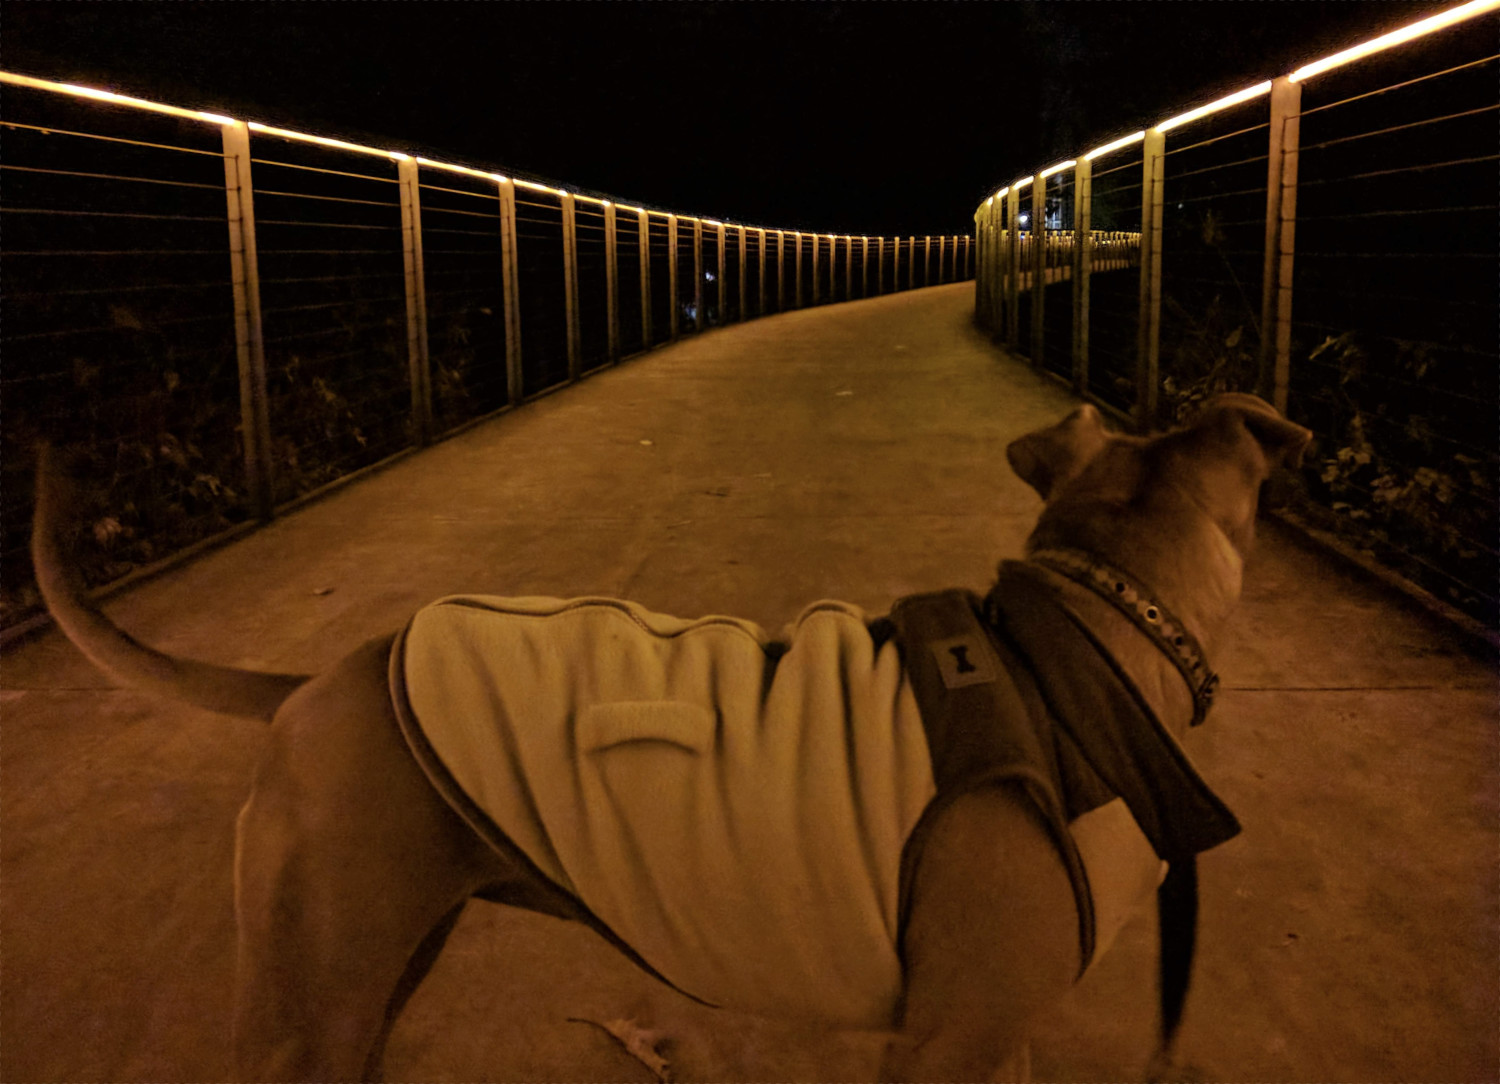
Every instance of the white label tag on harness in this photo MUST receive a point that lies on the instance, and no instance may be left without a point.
(964, 660)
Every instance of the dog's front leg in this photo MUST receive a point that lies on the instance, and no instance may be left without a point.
(349, 865)
(992, 938)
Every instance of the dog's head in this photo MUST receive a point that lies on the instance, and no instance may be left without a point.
(1157, 504)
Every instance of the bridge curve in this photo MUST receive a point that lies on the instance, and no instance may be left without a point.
(852, 451)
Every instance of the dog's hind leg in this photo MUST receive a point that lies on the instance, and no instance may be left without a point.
(349, 874)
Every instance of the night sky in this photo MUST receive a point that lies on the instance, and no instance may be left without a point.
(864, 118)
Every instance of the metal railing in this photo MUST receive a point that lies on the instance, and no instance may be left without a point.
(224, 317)
(1327, 239)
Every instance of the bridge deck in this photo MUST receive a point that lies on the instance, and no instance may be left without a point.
(852, 452)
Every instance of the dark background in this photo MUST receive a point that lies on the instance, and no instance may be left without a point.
(867, 118)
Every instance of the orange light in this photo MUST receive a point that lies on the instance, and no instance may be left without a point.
(456, 169)
(1396, 37)
(322, 141)
(1213, 107)
(541, 187)
(1022, 184)
(1050, 170)
(1124, 141)
(110, 96)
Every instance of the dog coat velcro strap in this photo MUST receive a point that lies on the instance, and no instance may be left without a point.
(1108, 719)
(985, 725)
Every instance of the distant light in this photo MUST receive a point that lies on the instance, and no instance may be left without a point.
(1396, 37)
(1069, 164)
(1124, 141)
(111, 96)
(1213, 107)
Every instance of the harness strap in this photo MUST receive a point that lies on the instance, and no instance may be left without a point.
(1177, 915)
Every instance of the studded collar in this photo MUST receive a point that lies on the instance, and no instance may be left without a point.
(1159, 624)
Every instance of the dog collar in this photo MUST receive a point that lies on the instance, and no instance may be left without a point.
(1159, 624)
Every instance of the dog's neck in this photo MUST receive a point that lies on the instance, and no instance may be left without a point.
(1192, 571)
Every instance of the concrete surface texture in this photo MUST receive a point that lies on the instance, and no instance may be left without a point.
(854, 452)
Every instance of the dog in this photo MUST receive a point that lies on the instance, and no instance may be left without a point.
(968, 895)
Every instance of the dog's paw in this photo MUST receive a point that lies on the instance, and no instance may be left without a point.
(639, 1042)
(1172, 1070)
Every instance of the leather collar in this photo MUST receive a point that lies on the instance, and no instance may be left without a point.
(1161, 626)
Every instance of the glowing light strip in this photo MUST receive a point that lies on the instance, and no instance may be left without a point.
(1396, 37)
(1213, 107)
(540, 187)
(460, 169)
(17, 79)
(1124, 141)
(1050, 170)
(110, 96)
(323, 141)
(1022, 184)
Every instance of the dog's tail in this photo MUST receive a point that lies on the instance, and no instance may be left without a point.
(217, 688)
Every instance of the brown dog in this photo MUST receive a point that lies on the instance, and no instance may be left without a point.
(352, 866)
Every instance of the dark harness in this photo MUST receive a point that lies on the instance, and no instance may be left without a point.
(1015, 688)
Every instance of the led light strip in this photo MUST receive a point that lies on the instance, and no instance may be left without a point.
(1124, 141)
(1418, 29)
(1213, 107)
(111, 97)
(1396, 37)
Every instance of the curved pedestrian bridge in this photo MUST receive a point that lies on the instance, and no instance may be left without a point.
(852, 451)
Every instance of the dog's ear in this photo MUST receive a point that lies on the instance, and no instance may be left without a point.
(1281, 442)
(1048, 458)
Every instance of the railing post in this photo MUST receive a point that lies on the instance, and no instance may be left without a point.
(927, 261)
(989, 264)
(612, 282)
(797, 239)
(250, 347)
(848, 267)
(981, 302)
(943, 257)
(1038, 268)
(570, 283)
(1148, 335)
(760, 249)
(817, 287)
(880, 265)
(723, 284)
(864, 266)
(698, 313)
(643, 238)
(515, 386)
(674, 318)
(781, 271)
(1281, 246)
(744, 291)
(895, 265)
(1013, 268)
(1083, 265)
(416, 301)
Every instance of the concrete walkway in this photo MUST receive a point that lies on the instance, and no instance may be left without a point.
(855, 452)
